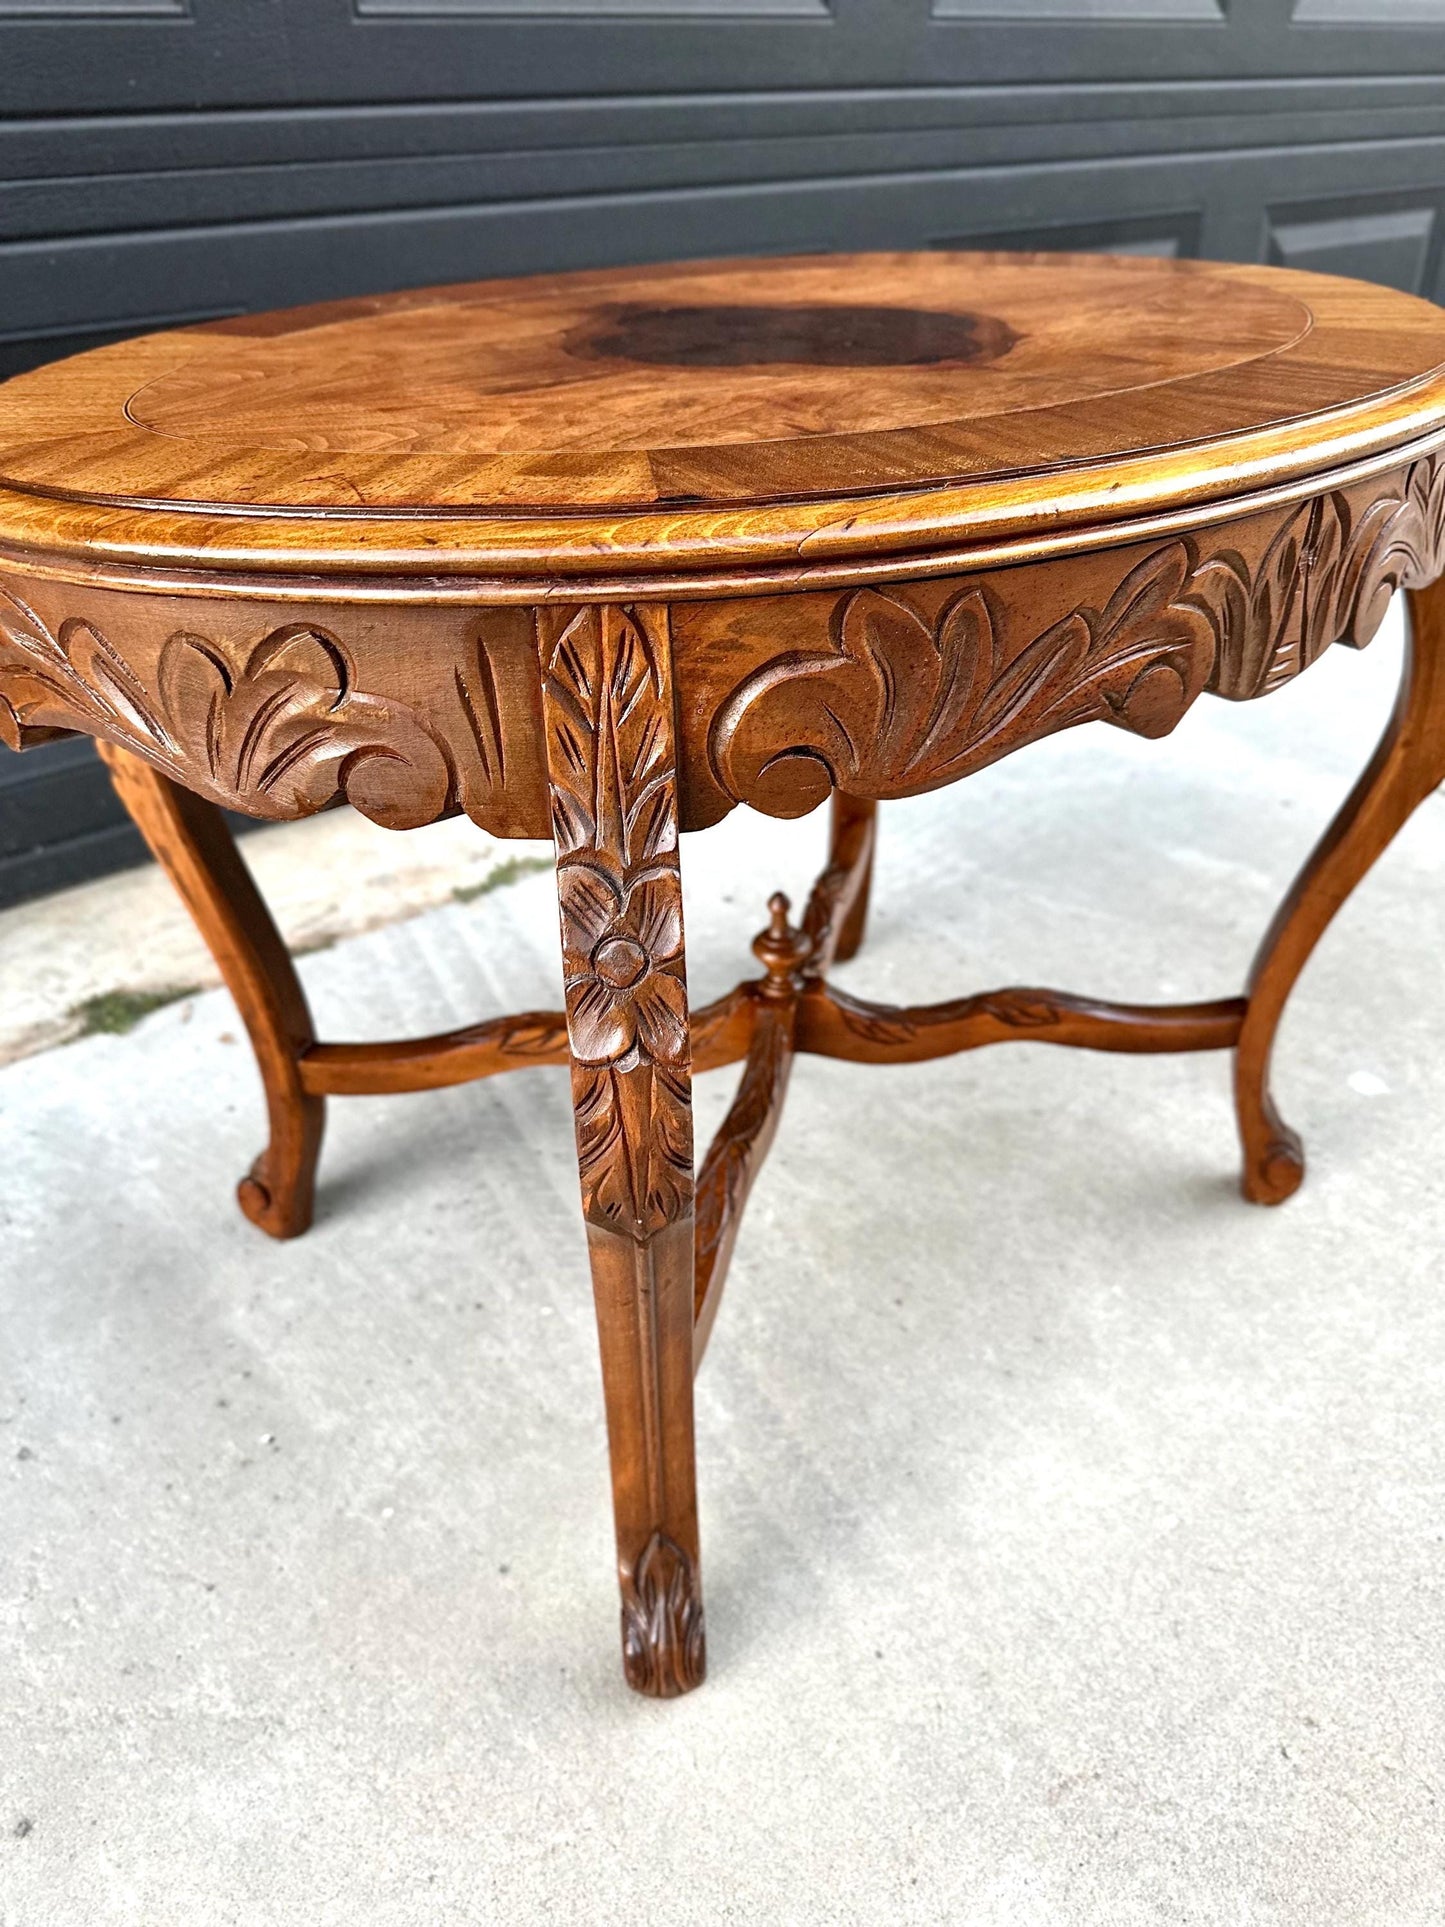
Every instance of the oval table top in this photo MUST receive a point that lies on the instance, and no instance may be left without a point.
(775, 415)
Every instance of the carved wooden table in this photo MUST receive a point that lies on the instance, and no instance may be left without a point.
(603, 555)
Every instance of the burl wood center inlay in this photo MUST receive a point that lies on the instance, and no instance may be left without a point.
(600, 557)
(697, 384)
(820, 336)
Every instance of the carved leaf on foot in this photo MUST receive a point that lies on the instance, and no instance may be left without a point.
(902, 703)
(663, 1644)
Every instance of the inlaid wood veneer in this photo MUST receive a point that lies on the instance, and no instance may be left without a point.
(602, 556)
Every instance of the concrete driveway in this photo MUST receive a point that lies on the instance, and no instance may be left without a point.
(1074, 1533)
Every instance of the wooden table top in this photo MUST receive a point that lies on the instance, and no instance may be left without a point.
(713, 414)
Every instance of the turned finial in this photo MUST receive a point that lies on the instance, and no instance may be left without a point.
(781, 949)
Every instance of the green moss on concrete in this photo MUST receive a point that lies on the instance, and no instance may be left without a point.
(505, 873)
(114, 1012)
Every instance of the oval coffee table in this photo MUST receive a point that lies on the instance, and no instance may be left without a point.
(603, 555)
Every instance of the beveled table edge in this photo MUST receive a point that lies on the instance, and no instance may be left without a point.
(1028, 507)
(851, 495)
(422, 583)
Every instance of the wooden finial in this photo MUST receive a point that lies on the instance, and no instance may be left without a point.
(781, 949)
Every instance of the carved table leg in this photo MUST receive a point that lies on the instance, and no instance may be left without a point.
(608, 708)
(189, 839)
(853, 825)
(1408, 764)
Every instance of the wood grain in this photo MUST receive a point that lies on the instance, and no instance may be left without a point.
(189, 839)
(1407, 767)
(604, 556)
(607, 695)
(889, 692)
(793, 961)
(531, 428)
(830, 1023)
(719, 1032)
(421, 711)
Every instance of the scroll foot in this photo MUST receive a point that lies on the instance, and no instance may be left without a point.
(608, 708)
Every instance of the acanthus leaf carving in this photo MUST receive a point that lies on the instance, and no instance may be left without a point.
(1326, 575)
(67, 679)
(901, 704)
(1019, 1009)
(634, 1146)
(481, 705)
(539, 1034)
(281, 732)
(663, 1638)
(903, 700)
(289, 728)
(607, 699)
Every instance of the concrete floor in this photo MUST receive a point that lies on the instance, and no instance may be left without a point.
(1074, 1533)
(334, 876)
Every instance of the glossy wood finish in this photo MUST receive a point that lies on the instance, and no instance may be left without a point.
(601, 557)
(512, 428)
(837, 912)
(416, 709)
(1408, 766)
(192, 844)
(608, 707)
(833, 1024)
(719, 1033)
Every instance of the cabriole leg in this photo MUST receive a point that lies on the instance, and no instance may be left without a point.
(608, 706)
(189, 839)
(1406, 767)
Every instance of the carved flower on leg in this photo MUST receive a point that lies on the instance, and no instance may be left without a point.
(622, 957)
